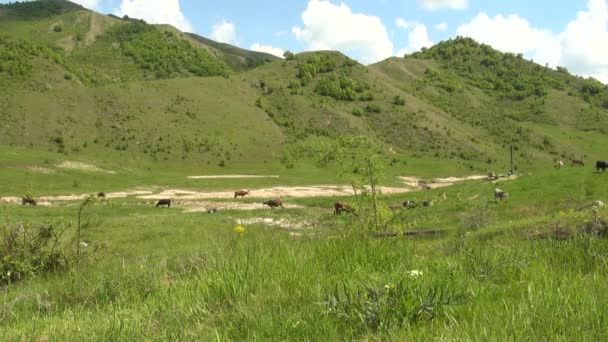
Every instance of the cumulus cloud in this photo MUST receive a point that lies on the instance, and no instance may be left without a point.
(268, 49)
(582, 47)
(418, 37)
(511, 33)
(584, 43)
(335, 27)
(434, 5)
(156, 12)
(224, 32)
(442, 27)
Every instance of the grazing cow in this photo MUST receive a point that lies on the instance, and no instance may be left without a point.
(577, 162)
(164, 203)
(492, 176)
(212, 211)
(102, 195)
(427, 203)
(340, 207)
(274, 203)
(241, 193)
(601, 165)
(28, 201)
(559, 164)
(410, 204)
(500, 195)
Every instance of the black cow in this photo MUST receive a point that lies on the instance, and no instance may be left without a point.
(102, 195)
(274, 203)
(28, 201)
(164, 203)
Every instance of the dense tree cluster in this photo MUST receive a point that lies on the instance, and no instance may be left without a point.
(313, 66)
(503, 74)
(39, 9)
(164, 54)
(344, 88)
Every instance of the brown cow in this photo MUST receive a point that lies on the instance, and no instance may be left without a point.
(241, 193)
(28, 201)
(577, 162)
(163, 203)
(274, 203)
(340, 207)
(102, 195)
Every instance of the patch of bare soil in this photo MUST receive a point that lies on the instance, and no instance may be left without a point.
(283, 223)
(232, 177)
(275, 192)
(419, 184)
(197, 207)
(40, 169)
(82, 167)
(94, 31)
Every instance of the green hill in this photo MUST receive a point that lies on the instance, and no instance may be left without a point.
(80, 83)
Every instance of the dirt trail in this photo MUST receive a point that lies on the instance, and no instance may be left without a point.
(232, 177)
(94, 30)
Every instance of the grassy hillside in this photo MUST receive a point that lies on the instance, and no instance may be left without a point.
(106, 85)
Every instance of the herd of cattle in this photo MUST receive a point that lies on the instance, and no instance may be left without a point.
(340, 207)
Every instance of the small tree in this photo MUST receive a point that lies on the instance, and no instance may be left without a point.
(289, 55)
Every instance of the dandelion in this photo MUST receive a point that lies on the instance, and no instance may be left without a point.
(239, 229)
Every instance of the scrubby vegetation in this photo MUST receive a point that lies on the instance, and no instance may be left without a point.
(164, 54)
(30, 10)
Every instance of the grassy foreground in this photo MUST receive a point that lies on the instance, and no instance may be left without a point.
(524, 272)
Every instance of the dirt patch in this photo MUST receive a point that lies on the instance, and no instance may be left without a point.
(275, 192)
(40, 169)
(420, 184)
(82, 167)
(232, 177)
(196, 207)
(283, 223)
(17, 201)
(94, 31)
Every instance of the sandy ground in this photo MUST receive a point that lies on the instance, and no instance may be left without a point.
(82, 167)
(274, 192)
(283, 223)
(232, 177)
(194, 201)
(196, 207)
(40, 169)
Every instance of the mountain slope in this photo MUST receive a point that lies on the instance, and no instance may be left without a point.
(77, 82)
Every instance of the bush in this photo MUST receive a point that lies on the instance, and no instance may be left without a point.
(373, 108)
(28, 251)
(58, 28)
(398, 101)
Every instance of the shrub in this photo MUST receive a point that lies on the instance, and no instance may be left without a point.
(398, 101)
(58, 28)
(373, 108)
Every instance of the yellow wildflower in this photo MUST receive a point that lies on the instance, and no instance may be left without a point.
(239, 229)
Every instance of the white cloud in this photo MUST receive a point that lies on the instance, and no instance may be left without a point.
(268, 49)
(512, 33)
(418, 37)
(442, 27)
(224, 32)
(582, 47)
(584, 43)
(156, 12)
(434, 5)
(402, 23)
(336, 27)
(90, 4)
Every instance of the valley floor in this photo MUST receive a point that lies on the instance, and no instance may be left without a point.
(530, 268)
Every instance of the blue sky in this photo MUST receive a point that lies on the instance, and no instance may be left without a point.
(571, 33)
